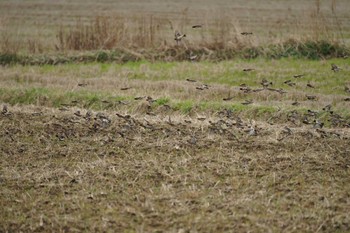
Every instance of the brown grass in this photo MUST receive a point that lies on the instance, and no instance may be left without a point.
(144, 174)
(131, 29)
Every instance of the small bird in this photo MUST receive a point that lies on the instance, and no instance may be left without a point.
(248, 69)
(290, 83)
(298, 75)
(247, 102)
(327, 108)
(311, 97)
(202, 87)
(318, 124)
(246, 33)
(191, 80)
(265, 83)
(197, 26)
(309, 85)
(228, 98)
(4, 109)
(179, 36)
(335, 68)
(193, 57)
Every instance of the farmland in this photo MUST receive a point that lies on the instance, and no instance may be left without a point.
(107, 124)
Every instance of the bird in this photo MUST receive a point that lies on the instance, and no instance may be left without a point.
(298, 75)
(309, 85)
(191, 80)
(246, 33)
(311, 97)
(228, 98)
(335, 68)
(318, 124)
(4, 109)
(192, 56)
(197, 26)
(202, 87)
(179, 36)
(289, 83)
(265, 83)
(247, 102)
(327, 108)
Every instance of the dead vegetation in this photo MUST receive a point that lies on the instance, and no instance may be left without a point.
(94, 171)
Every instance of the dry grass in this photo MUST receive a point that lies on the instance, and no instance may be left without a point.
(69, 27)
(144, 174)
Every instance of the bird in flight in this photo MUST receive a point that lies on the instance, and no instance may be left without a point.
(179, 36)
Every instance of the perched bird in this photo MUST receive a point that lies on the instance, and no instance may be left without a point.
(179, 36)
(197, 26)
(335, 68)
(246, 33)
(298, 75)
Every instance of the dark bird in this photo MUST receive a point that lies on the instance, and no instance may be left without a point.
(191, 80)
(298, 75)
(197, 26)
(179, 36)
(248, 69)
(335, 68)
(246, 33)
